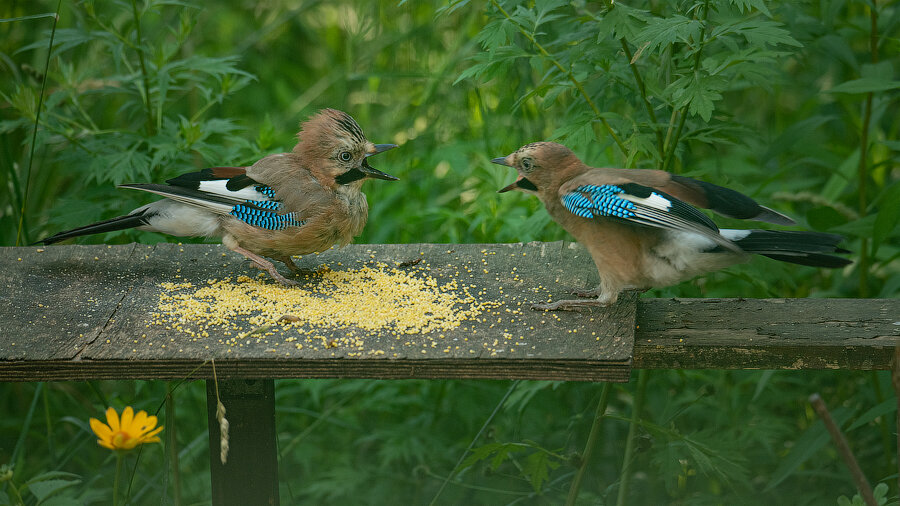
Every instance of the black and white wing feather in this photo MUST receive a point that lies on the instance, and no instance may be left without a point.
(642, 205)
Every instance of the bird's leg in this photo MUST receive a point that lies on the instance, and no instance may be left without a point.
(264, 264)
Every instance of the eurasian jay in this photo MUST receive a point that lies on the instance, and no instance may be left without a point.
(641, 228)
(285, 204)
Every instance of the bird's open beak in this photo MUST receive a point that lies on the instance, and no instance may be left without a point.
(381, 148)
(520, 184)
(374, 173)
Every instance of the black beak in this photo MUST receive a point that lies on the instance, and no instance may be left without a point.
(372, 172)
(520, 184)
(500, 161)
(381, 148)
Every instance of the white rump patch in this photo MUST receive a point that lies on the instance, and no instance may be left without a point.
(733, 234)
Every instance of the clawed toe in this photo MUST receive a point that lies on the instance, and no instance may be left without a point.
(569, 305)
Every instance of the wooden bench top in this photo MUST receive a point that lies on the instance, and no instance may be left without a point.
(89, 312)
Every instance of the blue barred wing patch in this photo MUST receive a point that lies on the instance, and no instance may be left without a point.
(588, 201)
(264, 214)
(266, 190)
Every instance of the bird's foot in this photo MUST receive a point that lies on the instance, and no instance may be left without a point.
(586, 293)
(570, 305)
(270, 268)
(261, 263)
(298, 271)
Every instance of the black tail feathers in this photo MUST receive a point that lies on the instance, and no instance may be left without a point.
(111, 225)
(797, 247)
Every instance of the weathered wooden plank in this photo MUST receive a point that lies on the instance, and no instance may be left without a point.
(69, 316)
(121, 288)
(767, 333)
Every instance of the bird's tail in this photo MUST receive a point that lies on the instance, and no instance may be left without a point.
(797, 247)
(135, 219)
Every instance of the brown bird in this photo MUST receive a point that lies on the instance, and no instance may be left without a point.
(285, 204)
(641, 228)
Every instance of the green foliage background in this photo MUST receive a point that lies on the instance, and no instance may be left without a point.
(792, 103)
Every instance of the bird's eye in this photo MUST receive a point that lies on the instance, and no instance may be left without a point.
(346, 156)
(526, 165)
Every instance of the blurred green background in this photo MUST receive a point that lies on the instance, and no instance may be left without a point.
(792, 103)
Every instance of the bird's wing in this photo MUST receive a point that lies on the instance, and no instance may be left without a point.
(226, 191)
(719, 199)
(595, 196)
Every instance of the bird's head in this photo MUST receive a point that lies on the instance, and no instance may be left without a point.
(542, 167)
(335, 149)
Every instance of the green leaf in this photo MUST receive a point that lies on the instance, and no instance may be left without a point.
(888, 406)
(497, 452)
(825, 218)
(537, 468)
(811, 441)
(698, 93)
(660, 32)
(865, 85)
(748, 5)
(759, 32)
(45, 485)
(888, 214)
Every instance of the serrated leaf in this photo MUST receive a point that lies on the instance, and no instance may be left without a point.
(661, 32)
(537, 468)
(759, 32)
(699, 94)
(748, 5)
(497, 452)
(496, 33)
(621, 22)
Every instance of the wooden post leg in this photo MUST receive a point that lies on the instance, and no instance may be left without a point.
(250, 476)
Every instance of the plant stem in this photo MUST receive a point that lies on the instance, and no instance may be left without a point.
(862, 170)
(840, 442)
(172, 444)
(119, 459)
(151, 130)
(895, 381)
(37, 120)
(484, 427)
(590, 444)
(568, 74)
(673, 145)
(642, 88)
(625, 475)
(49, 422)
(16, 493)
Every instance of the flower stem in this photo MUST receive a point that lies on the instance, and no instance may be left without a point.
(120, 458)
(625, 477)
(862, 169)
(151, 131)
(673, 145)
(590, 444)
(37, 122)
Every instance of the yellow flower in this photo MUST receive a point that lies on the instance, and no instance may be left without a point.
(125, 434)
